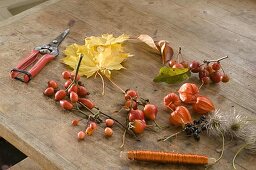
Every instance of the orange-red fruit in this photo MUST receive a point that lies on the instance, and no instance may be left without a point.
(108, 132)
(188, 93)
(49, 91)
(66, 75)
(138, 126)
(73, 88)
(109, 122)
(89, 131)
(135, 115)
(203, 105)
(215, 77)
(180, 116)
(225, 78)
(93, 125)
(67, 83)
(171, 101)
(59, 95)
(88, 103)
(216, 66)
(81, 135)
(66, 105)
(131, 94)
(150, 111)
(82, 91)
(53, 84)
(73, 97)
(75, 122)
(177, 65)
(131, 104)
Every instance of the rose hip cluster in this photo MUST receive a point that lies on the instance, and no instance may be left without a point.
(74, 96)
(188, 94)
(91, 127)
(136, 117)
(73, 93)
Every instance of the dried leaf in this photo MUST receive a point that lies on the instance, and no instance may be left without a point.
(172, 75)
(162, 46)
(148, 40)
(165, 49)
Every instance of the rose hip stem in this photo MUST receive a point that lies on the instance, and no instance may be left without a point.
(76, 73)
(130, 131)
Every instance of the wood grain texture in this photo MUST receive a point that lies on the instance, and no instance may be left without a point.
(27, 164)
(204, 29)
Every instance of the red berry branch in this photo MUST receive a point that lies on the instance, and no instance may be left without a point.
(73, 98)
(210, 72)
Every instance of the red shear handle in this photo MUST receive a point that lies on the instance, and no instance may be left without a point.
(22, 65)
(39, 66)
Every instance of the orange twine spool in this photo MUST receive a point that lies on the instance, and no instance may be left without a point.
(168, 157)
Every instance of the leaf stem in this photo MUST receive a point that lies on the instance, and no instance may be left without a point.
(103, 83)
(116, 85)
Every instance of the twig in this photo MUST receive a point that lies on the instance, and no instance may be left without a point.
(168, 137)
(223, 146)
(157, 124)
(123, 139)
(76, 73)
(239, 150)
(78, 66)
(218, 60)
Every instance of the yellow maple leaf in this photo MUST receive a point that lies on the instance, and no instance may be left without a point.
(101, 55)
(105, 40)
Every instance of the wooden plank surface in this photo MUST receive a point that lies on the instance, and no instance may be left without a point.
(26, 164)
(204, 29)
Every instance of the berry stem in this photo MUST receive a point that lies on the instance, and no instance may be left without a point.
(76, 73)
(78, 66)
(111, 118)
(218, 60)
(86, 116)
(157, 124)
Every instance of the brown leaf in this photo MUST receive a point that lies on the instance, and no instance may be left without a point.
(165, 50)
(162, 46)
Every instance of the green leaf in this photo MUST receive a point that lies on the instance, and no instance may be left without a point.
(172, 75)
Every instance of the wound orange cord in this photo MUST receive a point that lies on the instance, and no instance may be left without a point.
(168, 157)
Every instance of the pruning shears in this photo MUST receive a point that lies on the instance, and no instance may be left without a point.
(48, 52)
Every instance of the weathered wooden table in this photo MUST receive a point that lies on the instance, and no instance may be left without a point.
(204, 29)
